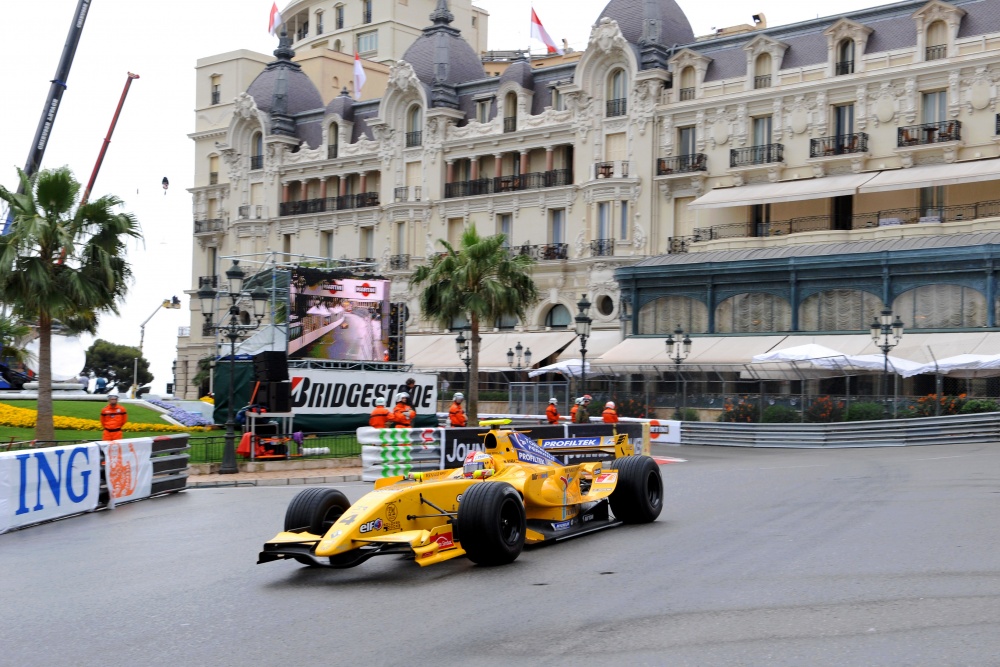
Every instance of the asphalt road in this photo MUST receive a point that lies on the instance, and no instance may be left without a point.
(761, 557)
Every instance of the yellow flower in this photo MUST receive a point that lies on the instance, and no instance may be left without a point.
(25, 418)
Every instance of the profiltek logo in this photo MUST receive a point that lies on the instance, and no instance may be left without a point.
(366, 290)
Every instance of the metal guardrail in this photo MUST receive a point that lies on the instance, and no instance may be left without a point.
(208, 449)
(947, 430)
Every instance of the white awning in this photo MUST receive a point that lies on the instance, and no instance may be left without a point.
(771, 193)
(971, 171)
(437, 351)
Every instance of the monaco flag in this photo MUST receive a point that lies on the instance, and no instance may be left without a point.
(359, 76)
(538, 32)
(275, 21)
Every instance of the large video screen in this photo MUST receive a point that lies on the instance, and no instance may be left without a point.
(337, 318)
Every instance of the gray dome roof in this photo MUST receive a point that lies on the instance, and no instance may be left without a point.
(302, 94)
(342, 105)
(674, 25)
(520, 72)
(441, 42)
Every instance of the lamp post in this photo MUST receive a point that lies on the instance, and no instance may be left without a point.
(232, 329)
(583, 323)
(522, 353)
(883, 329)
(462, 346)
(173, 303)
(678, 350)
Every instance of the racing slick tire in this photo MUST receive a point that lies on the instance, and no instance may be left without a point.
(491, 523)
(315, 510)
(638, 496)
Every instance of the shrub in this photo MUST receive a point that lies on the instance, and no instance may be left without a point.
(862, 412)
(629, 407)
(780, 414)
(927, 406)
(691, 415)
(742, 412)
(825, 410)
(978, 405)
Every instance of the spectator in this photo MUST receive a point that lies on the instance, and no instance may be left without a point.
(84, 383)
(113, 418)
(101, 385)
(610, 414)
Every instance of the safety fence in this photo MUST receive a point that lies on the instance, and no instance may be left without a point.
(208, 449)
(947, 430)
(46, 483)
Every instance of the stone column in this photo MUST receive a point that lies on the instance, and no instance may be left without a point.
(450, 177)
(550, 158)
(474, 168)
(497, 165)
(364, 182)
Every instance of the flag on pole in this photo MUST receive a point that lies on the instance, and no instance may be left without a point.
(275, 21)
(538, 32)
(359, 76)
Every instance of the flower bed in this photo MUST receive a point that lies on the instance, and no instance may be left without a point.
(25, 418)
(180, 414)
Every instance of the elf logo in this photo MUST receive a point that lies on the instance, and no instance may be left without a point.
(371, 526)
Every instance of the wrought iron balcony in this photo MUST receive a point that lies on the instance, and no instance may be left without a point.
(208, 226)
(763, 81)
(608, 169)
(366, 16)
(929, 133)
(936, 52)
(510, 124)
(216, 95)
(208, 281)
(213, 178)
(838, 145)
(602, 248)
(399, 263)
(486, 186)
(414, 139)
(746, 157)
(844, 67)
(256, 161)
(681, 164)
(551, 251)
(331, 151)
(347, 202)
(617, 107)
(402, 194)
(685, 94)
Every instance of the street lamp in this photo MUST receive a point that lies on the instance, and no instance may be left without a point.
(464, 349)
(522, 353)
(882, 329)
(678, 350)
(232, 329)
(173, 303)
(583, 323)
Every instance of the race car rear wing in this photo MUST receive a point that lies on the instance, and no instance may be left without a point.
(595, 448)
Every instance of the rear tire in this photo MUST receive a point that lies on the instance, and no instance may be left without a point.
(638, 496)
(491, 523)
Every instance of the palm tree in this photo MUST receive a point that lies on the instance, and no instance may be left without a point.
(478, 280)
(12, 335)
(62, 261)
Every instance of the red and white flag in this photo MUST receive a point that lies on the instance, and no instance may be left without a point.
(275, 21)
(359, 76)
(538, 32)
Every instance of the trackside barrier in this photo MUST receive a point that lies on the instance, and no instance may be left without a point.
(388, 452)
(947, 430)
(38, 485)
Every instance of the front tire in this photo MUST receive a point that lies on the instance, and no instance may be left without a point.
(638, 496)
(491, 523)
(316, 510)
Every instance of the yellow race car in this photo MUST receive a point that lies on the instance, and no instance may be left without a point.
(517, 492)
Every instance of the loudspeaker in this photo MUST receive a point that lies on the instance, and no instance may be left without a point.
(279, 396)
(270, 367)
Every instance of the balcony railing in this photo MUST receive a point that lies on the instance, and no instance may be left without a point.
(331, 151)
(929, 133)
(602, 248)
(302, 32)
(551, 251)
(746, 157)
(615, 169)
(402, 194)
(681, 164)
(366, 16)
(685, 94)
(208, 281)
(414, 139)
(256, 161)
(936, 52)
(216, 95)
(844, 67)
(487, 186)
(510, 124)
(251, 212)
(347, 202)
(339, 22)
(838, 145)
(763, 81)
(213, 178)
(399, 263)
(617, 107)
(208, 226)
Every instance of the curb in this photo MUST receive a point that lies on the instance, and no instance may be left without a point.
(290, 481)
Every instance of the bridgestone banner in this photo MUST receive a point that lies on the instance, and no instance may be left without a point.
(328, 392)
(41, 484)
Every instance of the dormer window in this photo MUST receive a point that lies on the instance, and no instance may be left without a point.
(687, 88)
(845, 57)
(510, 112)
(257, 151)
(333, 142)
(937, 24)
(937, 41)
(617, 94)
(762, 71)
(414, 126)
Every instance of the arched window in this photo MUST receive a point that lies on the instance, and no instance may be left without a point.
(937, 41)
(838, 310)
(414, 126)
(337, 45)
(845, 57)
(617, 93)
(510, 112)
(558, 317)
(941, 307)
(663, 315)
(506, 323)
(762, 71)
(333, 141)
(753, 312)
(257, 151)
(687, 84)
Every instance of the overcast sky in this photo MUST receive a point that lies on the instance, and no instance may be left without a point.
(161, 42)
